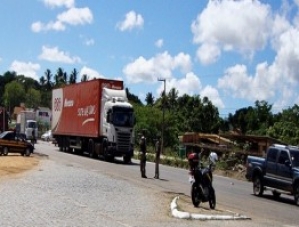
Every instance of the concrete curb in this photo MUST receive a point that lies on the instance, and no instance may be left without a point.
(203, 217)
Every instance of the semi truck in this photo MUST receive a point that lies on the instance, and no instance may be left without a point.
(94, 117)
(27, 124)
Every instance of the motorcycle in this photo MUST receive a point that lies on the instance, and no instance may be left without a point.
(201, 180)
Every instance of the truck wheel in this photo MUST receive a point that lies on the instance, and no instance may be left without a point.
(296, 194)
(5, 151)
(258, 188)
(127, 159)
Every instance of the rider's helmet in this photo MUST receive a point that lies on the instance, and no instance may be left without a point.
(193, 159)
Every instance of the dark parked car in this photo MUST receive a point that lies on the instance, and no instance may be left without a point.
(11, 143)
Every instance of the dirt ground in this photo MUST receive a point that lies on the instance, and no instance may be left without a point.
(15, 164)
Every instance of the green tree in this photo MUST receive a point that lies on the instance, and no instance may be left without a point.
(84, 78)
(60, 77)
(73, 76)
(48, 77)
(33, 98)
(14, 95)
(149, 99)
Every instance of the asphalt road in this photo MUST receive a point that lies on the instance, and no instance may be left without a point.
(231, 194)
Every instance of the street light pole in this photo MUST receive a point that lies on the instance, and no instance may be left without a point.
(163, 116)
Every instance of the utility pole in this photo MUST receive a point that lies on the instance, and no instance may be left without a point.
(163, 116)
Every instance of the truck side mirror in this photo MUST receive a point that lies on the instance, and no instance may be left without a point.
(287, 163)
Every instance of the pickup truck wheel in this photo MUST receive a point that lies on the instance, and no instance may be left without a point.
(5, 151)
(258, 188)
(296, 194)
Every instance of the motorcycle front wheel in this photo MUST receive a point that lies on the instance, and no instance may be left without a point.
(195, 195)
(212, 199)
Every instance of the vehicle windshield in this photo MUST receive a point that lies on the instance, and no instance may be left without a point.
(295, 158)
(123, 117)
(31, 124)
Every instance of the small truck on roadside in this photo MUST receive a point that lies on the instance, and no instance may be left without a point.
(277, 172)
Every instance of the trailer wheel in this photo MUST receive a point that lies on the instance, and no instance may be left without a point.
(91, 148)
(258, 187)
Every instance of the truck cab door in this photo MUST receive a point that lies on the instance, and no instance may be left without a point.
(284, 171)
(271, 159)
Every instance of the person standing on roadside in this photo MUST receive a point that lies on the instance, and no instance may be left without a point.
(157, 158)
(142, 144)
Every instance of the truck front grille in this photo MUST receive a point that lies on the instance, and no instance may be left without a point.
(123, 139)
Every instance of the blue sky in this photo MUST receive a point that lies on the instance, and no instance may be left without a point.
(233, 52)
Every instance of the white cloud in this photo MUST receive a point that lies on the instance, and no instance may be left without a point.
(55, 55)
(190, 85)
(159, 43)
(162, 65)
(208, 53)
(39, 26)
(91, 73)
(213, 95)
(59, 3)
(241, 26)
(76, 16)
(73, 16)
(89, 42)
(27, 69)
(132, 20)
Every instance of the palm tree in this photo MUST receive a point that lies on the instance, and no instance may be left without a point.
(48, 76)
(149, 99)
(59, 77)
(73, 76)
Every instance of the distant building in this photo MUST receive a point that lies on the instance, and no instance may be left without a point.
(44, 116)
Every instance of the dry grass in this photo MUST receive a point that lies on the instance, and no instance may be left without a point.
(14, 164)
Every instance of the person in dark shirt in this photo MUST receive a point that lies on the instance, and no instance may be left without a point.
(157, 158)
(142, 144)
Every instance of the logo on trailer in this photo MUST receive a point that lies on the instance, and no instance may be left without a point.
(68, 103)
(57, 104)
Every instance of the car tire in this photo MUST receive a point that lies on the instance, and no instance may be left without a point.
(27, 152)
(5, 151)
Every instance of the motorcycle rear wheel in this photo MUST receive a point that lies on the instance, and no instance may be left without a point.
(195, 195)
(212, 199)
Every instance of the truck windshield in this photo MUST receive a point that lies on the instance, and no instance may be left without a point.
(123, 117)
(31, 124)
(295, 158)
